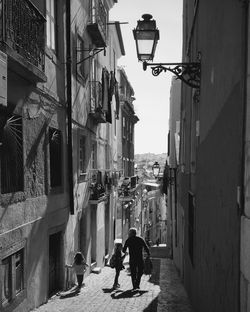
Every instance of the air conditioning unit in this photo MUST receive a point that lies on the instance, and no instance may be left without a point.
(3, 79)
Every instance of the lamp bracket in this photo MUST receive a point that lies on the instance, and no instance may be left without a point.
(92, 53)
(189, 73)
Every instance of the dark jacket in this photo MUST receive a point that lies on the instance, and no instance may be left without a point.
(135, 245)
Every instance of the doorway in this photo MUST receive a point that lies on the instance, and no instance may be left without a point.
(93, 234)
(54, 262)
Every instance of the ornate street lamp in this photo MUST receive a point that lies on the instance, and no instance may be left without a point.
(156, 169)
(146, 36)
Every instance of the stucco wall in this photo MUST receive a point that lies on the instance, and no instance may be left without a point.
(213, 279)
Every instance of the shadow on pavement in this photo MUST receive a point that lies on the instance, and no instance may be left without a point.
(107, 290)
(128, 294)
(152, 307)
(71, 293)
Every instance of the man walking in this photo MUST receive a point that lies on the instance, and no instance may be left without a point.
(135, 245)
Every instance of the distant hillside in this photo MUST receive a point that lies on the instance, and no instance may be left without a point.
(148, 159)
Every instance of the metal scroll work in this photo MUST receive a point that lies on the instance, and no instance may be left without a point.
(189, 73)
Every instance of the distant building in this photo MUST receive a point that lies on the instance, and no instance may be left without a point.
(125, 153)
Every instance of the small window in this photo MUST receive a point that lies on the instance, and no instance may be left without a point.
(93, 156)
(124, 127)
(107, 156)
(51, 24)
(82, 155)
(13, 276)
(127, 134)
(81, 69)
(132, 133)
(55, 146)
(11, 135)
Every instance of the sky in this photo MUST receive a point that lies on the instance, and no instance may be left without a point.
(151, 93)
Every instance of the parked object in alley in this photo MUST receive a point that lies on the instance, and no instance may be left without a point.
(136, 245)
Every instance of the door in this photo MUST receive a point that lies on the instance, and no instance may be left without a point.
(54, 262)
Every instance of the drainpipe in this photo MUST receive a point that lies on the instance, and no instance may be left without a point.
(69, 105)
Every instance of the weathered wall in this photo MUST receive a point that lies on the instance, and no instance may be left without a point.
(245, 219)
(213, 278)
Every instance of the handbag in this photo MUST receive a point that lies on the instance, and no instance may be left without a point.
(148, 266)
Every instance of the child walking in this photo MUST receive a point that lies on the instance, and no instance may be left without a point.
(79, 265)
(118, 261)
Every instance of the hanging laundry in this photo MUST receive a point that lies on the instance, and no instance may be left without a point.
(117, 100)
(105, 89)
(112, 82)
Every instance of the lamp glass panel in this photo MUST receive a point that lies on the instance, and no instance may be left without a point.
(145, 46)
(156, 171)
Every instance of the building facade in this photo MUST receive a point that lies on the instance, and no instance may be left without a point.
(213, 156)
(128, 183)
(34, 188)
(59, 144)
(175, 224)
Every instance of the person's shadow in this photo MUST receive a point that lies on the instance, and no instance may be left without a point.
(108, 290)
(70, 293)
(119, 294)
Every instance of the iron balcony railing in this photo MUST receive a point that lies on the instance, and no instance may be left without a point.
(98, 23)
(128, 99)
(22, 29)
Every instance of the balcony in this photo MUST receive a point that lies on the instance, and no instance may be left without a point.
(22, 33)
(96, 111)
(127, 99)
(97, 26)
(126, 191)
(97, 188)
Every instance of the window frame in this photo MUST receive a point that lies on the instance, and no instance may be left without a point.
(51, 168)
(82, 174)
(123, 127)
(82, 69)
(52, 25)
(16, 297)
(93, 156)
(16, 127)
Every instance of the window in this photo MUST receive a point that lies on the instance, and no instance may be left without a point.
(55, 150)
(114, 126)
(13, 276)
(123, 127)
(107, 156)
(93, 156)
(51, 17)
(131, 133)
(80, 55)
(11, 136)
(82, 155)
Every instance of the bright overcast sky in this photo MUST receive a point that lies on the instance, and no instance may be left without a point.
(151, 93)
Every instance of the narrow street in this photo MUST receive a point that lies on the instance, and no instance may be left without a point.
(162, 291)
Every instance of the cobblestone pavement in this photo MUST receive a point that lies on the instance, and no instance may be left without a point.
(162, 291)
